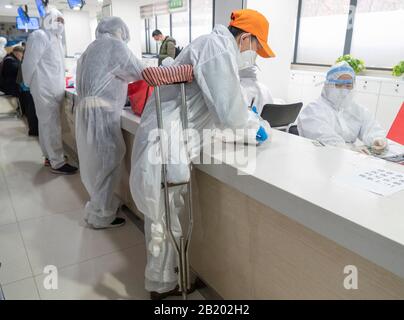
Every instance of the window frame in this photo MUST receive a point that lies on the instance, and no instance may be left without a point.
(147, 26)
(348, 37)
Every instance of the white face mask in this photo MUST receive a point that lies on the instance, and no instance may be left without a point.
(248, 58)
(341, 98)
(60, 27)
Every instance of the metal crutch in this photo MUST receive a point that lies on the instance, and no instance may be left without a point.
(182, 74)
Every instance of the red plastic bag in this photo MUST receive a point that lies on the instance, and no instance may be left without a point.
(396, 132)
(138, 93)
(69, 82)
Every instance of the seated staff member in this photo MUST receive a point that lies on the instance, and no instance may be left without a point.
(335, 119)
(253, 89)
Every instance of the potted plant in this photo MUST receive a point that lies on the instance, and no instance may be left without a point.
(398, 70)
(356, 64)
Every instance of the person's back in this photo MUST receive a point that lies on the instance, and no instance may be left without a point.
(99, 77)
(3, 52)
(103, 73)
(253, 89)
(200, 54)
(9, 72)
(43, 66)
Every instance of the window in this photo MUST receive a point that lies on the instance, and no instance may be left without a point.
(378, 36)
(322, 32)
(180, 28)
(163, 24)
(202, 18)
(185, 26)
(368, 29)
(143, 36)
(152, 27)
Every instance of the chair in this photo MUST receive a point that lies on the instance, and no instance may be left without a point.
(281, 116)
(14, 101)
(293, 130)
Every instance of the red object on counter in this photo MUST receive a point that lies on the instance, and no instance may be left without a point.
(396, 132)
(138, 93)
(69, 82)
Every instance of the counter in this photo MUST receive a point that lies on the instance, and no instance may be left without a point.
(288, 229)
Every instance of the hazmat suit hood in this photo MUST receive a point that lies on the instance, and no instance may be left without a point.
(50, 23)
(113, 27)
(338, 98)
(3, 42)
(221, 30)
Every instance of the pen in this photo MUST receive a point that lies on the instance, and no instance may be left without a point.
(252, 103)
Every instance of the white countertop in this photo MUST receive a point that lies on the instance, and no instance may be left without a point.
(294, 177)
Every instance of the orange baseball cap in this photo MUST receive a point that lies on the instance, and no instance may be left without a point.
(253, 22)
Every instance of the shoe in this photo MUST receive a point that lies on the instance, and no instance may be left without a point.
(198, 284)
(33, 134)
(66, 169)
(118, 222)
(47, 162)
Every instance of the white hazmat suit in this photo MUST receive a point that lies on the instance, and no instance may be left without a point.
(335, 119)
(214, 99)
(44, 73)
(103, 73)
(3, 52)
(253, 89)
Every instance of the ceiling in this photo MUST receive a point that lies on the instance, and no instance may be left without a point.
(91, 6)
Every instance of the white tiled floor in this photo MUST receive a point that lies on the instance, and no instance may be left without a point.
(41, 224)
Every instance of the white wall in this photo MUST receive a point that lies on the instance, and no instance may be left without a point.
(77, 31)
(275, 72)
(224, 8)
(129, 11)
(93, 27)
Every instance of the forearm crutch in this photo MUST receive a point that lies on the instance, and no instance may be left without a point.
(156, 77)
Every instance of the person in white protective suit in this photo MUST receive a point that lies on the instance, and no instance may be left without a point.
(214, 100)
(252, 89)
(335, 119)
(44, 73)
(103, 73)
(3, 52)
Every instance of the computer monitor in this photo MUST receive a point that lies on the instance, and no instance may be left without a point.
(41, 8)
(33, 24)
(75, 3)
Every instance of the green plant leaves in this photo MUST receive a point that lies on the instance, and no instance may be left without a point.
(356, 64)
(398, 70)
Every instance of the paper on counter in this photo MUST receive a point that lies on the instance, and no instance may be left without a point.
(380, 181)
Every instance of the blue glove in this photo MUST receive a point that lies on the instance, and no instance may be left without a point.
(261, 135)
(23, 87)
(254, 109)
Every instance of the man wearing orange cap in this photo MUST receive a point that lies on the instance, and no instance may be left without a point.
(251, 43)
(215, 100)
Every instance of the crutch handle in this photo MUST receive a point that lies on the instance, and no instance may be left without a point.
(158, 76)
